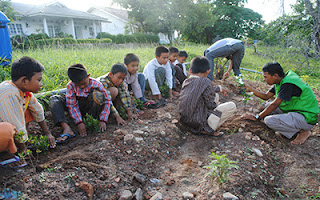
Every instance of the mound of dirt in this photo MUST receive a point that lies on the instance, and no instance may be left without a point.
(151, 157)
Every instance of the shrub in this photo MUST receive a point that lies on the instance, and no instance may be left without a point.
(127, 38)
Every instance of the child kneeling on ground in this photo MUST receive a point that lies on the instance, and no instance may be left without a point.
(198, 108)
(84, 95)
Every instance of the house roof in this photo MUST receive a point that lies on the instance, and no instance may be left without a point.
(55, 9)
(122, 14)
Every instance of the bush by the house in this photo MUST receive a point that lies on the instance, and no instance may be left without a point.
(126, 38)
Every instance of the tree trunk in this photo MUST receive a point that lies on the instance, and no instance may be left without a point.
(315, 13)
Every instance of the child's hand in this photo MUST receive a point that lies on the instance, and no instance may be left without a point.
(82, 129)
(120, 121)
(51, 140)
(102, 126)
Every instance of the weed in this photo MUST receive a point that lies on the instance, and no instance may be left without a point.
(314, 197)
(220, 166)
(246, 97)
(280, 193)
(91, 123)
(69, 177)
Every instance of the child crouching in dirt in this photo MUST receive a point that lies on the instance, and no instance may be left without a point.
(114, 82)
(18, 106)
(198, 108)
(84, 95)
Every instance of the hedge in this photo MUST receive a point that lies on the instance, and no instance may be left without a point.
(34, 40)
(126, 38)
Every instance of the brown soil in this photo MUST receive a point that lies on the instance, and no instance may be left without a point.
(172, 160)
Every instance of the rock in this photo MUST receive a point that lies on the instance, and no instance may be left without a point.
(257, 151)
(252, 157)
(240, 130)
(243, 125)
(128, 138)
(138, 194)
(188, 196)
(140, 178)
(163, 134)
(256, 138)
(138, 139)
(247, 137)
(174, 121)
(155, 181)
(157, 196)
(228, 195)
(126, 195)
(88, 188)
(139, 132)
(129, 151)
(255, 110)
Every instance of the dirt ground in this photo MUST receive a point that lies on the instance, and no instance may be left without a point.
(154, 155)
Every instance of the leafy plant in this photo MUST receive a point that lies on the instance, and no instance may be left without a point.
(138, 103)
(164, 89)
(220, 167)
(19, 136)
(243, 89)
(91, 123)
(123, 113)
(39, 143)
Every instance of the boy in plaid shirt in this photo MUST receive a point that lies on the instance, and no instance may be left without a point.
(114, 82)
(84, 95)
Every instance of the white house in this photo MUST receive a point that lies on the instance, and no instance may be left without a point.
(119, 21)
(54, 18)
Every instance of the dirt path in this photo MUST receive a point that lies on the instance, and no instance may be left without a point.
(158, 157)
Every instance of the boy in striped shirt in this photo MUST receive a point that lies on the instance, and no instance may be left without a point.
(84, 95)
(18, 106)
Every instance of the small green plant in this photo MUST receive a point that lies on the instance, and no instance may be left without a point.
(91, 123)
(280, 193)
(39, 143)
(123, 113)
(138, 103)
(19, 136)
(220, 167)
(164, 89)
(24, 154)
(243, 89)
(314, 197)
(69, 177)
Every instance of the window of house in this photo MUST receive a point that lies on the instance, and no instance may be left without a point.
(15, 29)
(53, 30)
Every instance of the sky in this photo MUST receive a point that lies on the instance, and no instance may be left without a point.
(269, 9)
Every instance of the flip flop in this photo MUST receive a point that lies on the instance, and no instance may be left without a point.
(12, 160)
(68, 137)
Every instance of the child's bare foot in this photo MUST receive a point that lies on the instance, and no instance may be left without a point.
(66, 131)
(301, 137)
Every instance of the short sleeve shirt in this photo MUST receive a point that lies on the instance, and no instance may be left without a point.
(287, 91)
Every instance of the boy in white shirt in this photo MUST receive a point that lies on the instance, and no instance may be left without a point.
(157, 71)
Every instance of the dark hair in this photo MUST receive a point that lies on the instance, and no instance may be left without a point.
(183, 54)
(119, 67)
(77, 73)
(161, 49)
(25, 66)
(129, 58)
(273, 68)
(173, 50)
(199, 64)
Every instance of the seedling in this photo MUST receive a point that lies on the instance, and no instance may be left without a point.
(164, 89)
(246, 97)
(19, 136)
(39, 143)
(69, 177)
(220, 167)
(91, 123)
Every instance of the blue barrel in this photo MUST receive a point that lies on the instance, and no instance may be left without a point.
(5, 44)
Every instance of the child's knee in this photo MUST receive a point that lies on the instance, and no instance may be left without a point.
(114, 92)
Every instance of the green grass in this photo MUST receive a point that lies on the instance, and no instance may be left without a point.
(99, 60)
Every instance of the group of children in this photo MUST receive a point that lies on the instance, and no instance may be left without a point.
(102, 98)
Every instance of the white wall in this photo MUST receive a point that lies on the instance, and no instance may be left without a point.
(117, 25)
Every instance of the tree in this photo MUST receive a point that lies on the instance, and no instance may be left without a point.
(197, 22)
(6, 8)
(234, 20)
(312, 9)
